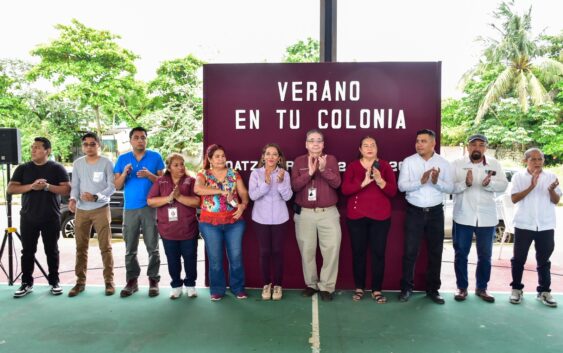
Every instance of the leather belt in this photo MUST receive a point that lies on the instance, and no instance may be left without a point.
(318, 209)
(426, 209)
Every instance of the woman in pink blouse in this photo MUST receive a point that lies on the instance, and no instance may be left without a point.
(369, 183)
(269, 188)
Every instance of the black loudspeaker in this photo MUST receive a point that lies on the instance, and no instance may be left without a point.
(10, 146)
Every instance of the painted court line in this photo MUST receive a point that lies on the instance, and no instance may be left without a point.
(315, 339)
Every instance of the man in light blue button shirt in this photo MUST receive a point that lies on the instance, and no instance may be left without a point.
(425, 177)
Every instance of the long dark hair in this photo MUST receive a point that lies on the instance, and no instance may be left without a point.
(209, 153)
(281, 162)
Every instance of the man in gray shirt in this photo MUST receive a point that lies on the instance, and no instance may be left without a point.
(92, 187)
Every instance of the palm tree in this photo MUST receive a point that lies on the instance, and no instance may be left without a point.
(520, 57)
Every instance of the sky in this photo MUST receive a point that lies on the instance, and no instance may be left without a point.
(249, 31)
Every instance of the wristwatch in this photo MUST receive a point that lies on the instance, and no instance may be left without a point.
(47, 187)
(95, 198)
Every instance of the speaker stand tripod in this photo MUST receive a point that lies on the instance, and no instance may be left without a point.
(8, 239)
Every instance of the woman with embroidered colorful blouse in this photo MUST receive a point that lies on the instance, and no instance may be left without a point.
(223, 201)
(270, 187)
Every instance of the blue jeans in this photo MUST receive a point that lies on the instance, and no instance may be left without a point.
(218, 237)
(462, 237)
(176, 250)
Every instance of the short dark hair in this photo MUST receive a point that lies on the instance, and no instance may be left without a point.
(429, 132)
(45, 141)
(92, 135)
(138, 128)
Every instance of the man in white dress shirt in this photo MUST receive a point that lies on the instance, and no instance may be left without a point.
(535, 193)
(476, 179)
(425, 177)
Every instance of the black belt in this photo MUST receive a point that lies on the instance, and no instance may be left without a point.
(426, 209)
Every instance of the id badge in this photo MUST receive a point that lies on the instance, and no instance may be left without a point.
(312, 194)
(173, 214)
(98, 177)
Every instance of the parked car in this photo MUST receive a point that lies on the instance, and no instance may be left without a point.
(116, 206)
(505, 212)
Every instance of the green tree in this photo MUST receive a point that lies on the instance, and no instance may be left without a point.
(12, 105)
(518, 54)
(38, 113)
(92, 68)
(176, 107)
(303, 52)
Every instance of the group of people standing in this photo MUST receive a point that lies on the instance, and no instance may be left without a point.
(161, 198)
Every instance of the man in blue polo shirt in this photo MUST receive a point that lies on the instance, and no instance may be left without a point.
(135, 171)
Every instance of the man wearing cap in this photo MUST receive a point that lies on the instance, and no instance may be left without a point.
(476, 179)
(425, 177)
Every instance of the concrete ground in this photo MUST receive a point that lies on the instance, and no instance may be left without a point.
(500, 277)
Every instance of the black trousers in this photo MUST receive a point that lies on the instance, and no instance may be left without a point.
(270, 239)
(366, 232)
(422, 224)
(544, 243)
(50, 232)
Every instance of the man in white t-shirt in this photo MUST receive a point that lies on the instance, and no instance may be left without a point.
(535, 193)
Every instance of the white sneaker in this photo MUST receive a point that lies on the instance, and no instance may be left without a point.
(267, 292)
(56, 289)
(277, 295)
(23, 290)
(516, 296)
(176, 293)
(547, 299)
(191, 292)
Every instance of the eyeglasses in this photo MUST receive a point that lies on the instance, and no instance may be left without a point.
(91, 144)
(315, 141)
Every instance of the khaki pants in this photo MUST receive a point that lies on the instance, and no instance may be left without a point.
(323, 224)
(100, 218)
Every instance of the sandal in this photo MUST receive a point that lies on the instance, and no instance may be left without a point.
(358, 295)
(378, 297)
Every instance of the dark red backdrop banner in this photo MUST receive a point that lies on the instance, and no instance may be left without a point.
(249, 105)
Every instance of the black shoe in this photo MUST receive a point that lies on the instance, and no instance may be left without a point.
(405, 295)
(326, 296)
(308, 292)
(435, 297)
(23, 290)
